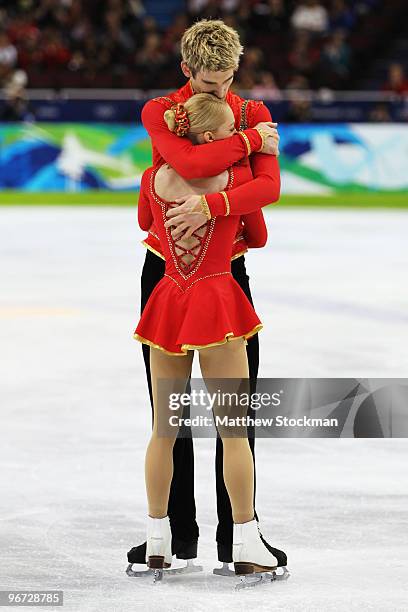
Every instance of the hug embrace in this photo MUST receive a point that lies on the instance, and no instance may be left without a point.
(214, 168)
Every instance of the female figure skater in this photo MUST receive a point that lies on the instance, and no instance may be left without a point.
(198, 305)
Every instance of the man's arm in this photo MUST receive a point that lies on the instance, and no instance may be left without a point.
(196, 161)
(263, 189)
(144, 211)
(255, 232)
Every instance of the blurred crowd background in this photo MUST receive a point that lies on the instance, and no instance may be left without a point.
(289, 45)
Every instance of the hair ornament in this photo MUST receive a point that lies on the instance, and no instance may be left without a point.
(181, 117)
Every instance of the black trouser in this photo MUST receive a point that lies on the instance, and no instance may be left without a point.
(181, 508)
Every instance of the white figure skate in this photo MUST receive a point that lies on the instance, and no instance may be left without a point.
(185, 551)
(158, 551)
(253, 562)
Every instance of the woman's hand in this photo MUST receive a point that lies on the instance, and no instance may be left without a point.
(270, 140)
(186, 217)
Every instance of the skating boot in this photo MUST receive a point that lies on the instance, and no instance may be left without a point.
(253, 561)
(158, 550)
(179, 548)
(225, 556)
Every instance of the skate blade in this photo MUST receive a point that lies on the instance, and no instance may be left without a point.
(157, 575)
(190, 568)
(260, 578)
(284, 575)
(224, 570)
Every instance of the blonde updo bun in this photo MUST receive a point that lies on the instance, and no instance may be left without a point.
(170, 119)
(205, 113)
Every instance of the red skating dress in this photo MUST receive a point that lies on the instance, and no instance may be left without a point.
(197, 303)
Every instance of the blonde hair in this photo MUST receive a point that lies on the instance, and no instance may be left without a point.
(205, 112)
(211, 45)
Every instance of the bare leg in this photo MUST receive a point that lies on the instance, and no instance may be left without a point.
(229, 360)
(159, 453)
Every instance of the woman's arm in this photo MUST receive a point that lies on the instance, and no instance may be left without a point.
(263, 189)
(144, 211)
(196, 161)
(255, 232)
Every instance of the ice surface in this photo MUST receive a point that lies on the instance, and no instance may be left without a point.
(330, 288)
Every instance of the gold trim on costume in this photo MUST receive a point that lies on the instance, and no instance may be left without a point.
(157, 346)
(227, 204)
(263, 136)
(247, 143)
(205, 209)
(207, 276)
(174, 281)
(145, 244)
(244, 123)
(227, 338)
(239, 254)
(160, 98)
(190, 347)
(196, 280)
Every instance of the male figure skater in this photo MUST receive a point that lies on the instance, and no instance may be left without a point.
(210, 57)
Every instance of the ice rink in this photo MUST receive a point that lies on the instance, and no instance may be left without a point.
(330, 288)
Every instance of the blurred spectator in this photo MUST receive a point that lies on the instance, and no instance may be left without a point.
(117, 36)
(266, 88)
(16, 105)
(335, 60)
(341, 16)
(149, 25)
(310, 15)
(238, 24)
(8, 56)
(212, 8)
(28, 36)
(269, 16)
(380, 113)
(298, 82)
(54, 51)
(171, 40)
(397, 82)
(22, 26)
(300, 105)
(151, 53)
(229, 6)
(115, 43)
(200, 9)
(251, 65)
(150, 60)
(196, 6)
(362, 7)
(303, 56)
(299, 111)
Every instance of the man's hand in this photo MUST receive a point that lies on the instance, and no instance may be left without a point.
(271, 140)
(187, 216)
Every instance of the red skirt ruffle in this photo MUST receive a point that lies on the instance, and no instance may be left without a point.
(210, 312)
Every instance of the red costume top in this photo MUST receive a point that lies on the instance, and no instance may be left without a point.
(195, 161)
(197, 303)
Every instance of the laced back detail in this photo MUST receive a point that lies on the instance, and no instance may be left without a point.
(187, 253)
(187, 250)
